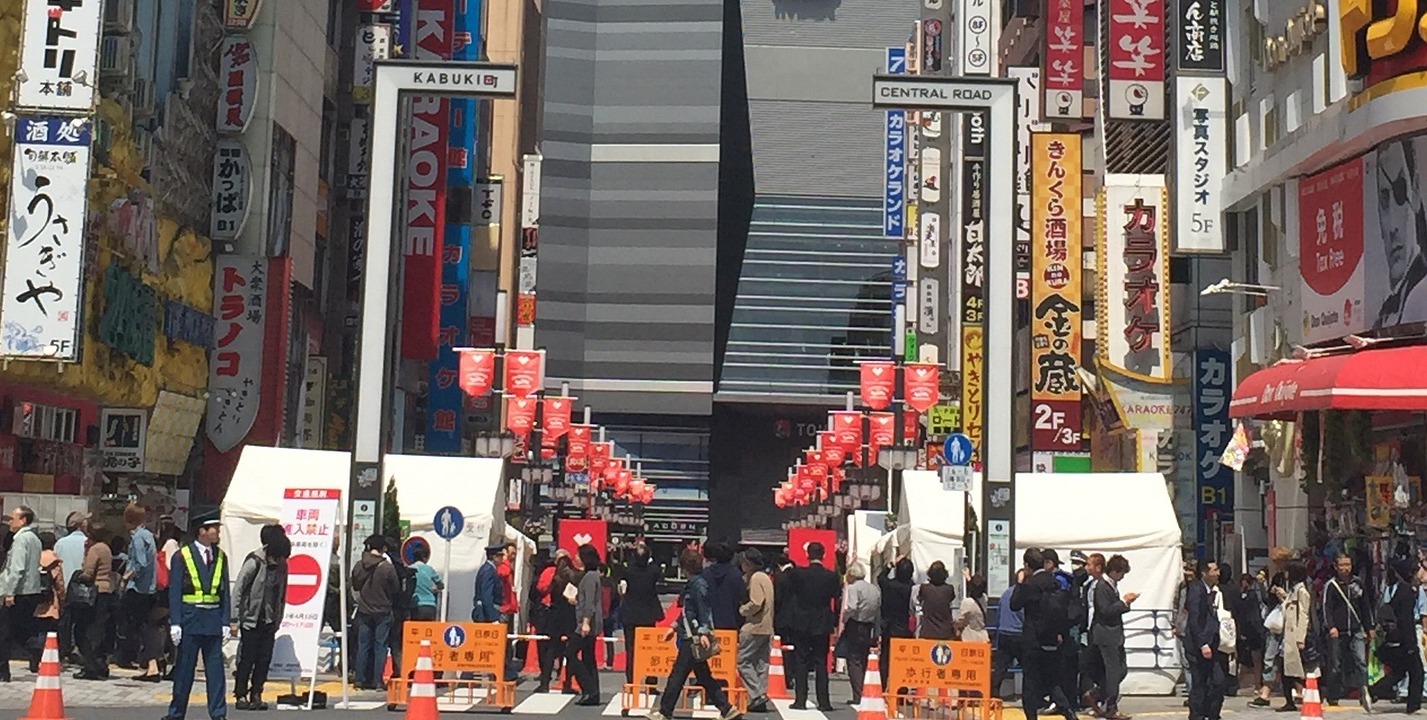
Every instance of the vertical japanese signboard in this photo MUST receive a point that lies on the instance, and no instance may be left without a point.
(973, 272)
(235, 364)
(1133, 292)
(1136, 68)
(1064, 71)
(1201, 161)
(1200, 35)
(232, 189)
(1028, 88)
(1055, 291)
(977, 45)
(425, 201)
(44, 248)
(895, 189)
(445, 401)
(529, 252)
(372, 46)
(310, 518)
(1214, 482)
(237, 84)
(240, 14)
(59, 58)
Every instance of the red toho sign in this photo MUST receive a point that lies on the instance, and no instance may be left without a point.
(425, 204)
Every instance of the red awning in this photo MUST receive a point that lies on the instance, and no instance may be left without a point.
(1384, 379)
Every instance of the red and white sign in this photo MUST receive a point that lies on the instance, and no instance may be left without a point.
(883, 433)
(425, 202)
(1134, 325)
(879, 381)
(1136, 70)
(520, 415)
(235, 365)
(921, 386)
(574, 533)
(477, 369)
(555, 418)
(1063, 77)
(579, 442)
(524, 372)
(600, 453)
(237, 84)
(310, 518)
(800, 538)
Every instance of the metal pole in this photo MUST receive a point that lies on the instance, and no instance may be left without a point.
(446, 586)
(342, 586)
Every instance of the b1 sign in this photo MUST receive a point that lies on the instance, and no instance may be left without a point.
(310, 518)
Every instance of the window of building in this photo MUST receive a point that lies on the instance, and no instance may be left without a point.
(45, 422)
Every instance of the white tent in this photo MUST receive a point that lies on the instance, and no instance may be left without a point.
(1126, 513)
(864, 528)
(425, 484)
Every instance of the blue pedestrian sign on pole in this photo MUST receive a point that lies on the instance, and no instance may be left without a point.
(455, 636)
(449, 522)
(957, 449)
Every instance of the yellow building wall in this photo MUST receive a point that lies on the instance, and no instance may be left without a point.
(185, 274)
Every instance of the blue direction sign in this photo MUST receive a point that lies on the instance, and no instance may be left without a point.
(957, 449)
(449, 522)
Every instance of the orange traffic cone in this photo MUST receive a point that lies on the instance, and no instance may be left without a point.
(872, 679)
(421, 701)
(777, 684)
(48, 701)
(1312, 704)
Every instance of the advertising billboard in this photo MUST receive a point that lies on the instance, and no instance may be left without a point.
(1056, 226)
(1133, 332)
(1362, 243)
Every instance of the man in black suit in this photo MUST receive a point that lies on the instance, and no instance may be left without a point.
(1046, 625)
(816, 592)
(1208, 668)
(1107, 631)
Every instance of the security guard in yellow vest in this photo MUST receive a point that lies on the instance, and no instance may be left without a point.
(200, 613)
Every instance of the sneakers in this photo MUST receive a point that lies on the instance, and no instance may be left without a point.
(731, 713)
(656, 715)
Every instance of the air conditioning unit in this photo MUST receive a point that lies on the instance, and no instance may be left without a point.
(148, 149)
(118, 17)
(116, 57)
(143, 98)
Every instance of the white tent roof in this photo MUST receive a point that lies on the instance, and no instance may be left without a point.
(424, 485)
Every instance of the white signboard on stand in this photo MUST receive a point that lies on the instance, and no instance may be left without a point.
(311, 519)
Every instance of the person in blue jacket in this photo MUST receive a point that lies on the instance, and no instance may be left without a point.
(200, 610)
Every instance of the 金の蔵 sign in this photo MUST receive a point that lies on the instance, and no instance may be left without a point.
(1056, 227)
(59, 60)
(44, 252)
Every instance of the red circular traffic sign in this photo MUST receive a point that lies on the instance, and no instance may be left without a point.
(304, 579)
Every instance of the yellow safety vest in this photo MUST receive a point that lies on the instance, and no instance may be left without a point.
(199, 596)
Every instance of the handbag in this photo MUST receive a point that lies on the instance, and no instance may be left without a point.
(80, 593)
(1228, 629)
(1273, 622)
(697, 649)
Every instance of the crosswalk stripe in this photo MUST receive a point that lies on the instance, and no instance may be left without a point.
(785, 709)
(543, 704)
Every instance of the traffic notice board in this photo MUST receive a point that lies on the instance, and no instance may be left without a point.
(462, 647)
(941, 664)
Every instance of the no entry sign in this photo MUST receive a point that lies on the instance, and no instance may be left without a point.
(304, 579)
(311, 520)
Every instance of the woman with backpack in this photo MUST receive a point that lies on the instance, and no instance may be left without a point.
(259, 598)
(51, 591)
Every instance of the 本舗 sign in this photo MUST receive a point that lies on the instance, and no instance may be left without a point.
(237, 84)
(973, 367)
(426, 175)
(1200, 34)
(977, 43)
(44, 251)
(1064, 72)
(1213, 429)
(310, 517)
(1028, 114)
(121, 439)
(1056, 224)
(1133, 321)
(894, 192)
(1136, 68)
(235, 366)
(445, 400)
(1362, 227)
(59, 63)
(240, 14)
(232, 189)
(373, 45)
(1201, 159)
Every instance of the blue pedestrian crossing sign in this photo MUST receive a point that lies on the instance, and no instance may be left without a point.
(957, 449)
(449, 522)
(455, 636)
(941, 654)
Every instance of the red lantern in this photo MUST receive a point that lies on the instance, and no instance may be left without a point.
(648, 494)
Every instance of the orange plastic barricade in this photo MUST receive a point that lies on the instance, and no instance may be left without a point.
(941, 680)
(654, 658)
(457, 648)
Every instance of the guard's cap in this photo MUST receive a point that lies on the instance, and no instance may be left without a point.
(1078, 558)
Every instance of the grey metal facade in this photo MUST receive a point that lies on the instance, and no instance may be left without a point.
(629, 201)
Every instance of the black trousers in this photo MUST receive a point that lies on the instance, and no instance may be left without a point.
(580, 663)
(685, 665)
(550, 650)
(255, 654)
(1111, 660)
(1402, 660)
(629, 633)
(1041, 671)
(17, 625)
(812, 657)
(1008, 651)
(96, 624)
(135, 621)
(1207, 681)
(859, 646)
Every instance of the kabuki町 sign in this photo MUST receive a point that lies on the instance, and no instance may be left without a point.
(235, 366)
(1133, 335)
(1137, 63)
(237, 84)
(60, 56)
(44, 251)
